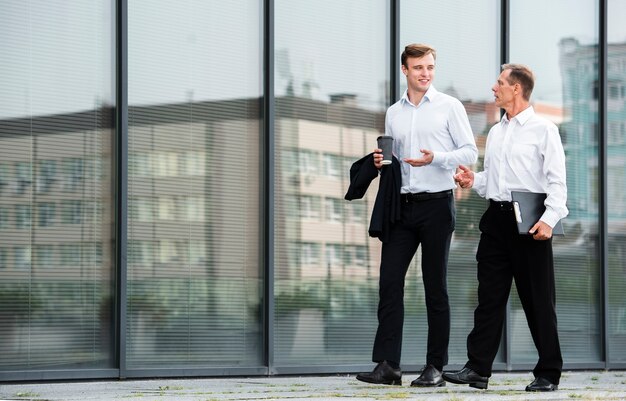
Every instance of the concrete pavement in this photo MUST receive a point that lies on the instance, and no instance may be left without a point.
(576, 385)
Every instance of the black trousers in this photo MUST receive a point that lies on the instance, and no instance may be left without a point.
(429, 223)
(504, 255)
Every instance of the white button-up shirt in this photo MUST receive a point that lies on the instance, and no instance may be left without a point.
(525, 154)
(438, 123)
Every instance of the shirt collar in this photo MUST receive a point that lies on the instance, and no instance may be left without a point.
(430, 95)
(521, 117)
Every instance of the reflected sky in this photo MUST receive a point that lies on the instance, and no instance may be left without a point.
(54, 61)
(535, 37)
(466, 37)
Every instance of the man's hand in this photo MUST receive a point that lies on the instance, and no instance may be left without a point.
(378, 158)
(465, 177)
(422, 161)
(541, 231)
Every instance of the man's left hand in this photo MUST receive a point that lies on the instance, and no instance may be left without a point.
(541, 231)
(422, 161)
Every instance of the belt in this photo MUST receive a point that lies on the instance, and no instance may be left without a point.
(502, 206)
(422, 196)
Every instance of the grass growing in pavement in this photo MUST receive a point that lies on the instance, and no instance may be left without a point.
(26, 394)
(394, 396)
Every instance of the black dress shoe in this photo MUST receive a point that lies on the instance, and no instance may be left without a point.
(467, 376)
(430, 377)
(383, 373)
(541, 384)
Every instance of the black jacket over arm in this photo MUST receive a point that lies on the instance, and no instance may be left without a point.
(387, 205)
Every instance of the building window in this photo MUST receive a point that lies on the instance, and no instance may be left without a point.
(22, 216)
(167, 208)
(333, 254)
(46, 175)
(308, 162)
(356, 212)
(3, 258)
(166, 164)
(194, 209)
(141, 252)
(334, 210)
(44, 256)
(613, 91)
(73, 170)
(197, 252)
(332, 165)
(70, 255)
(310, 207)
(4, 218)
(46, 213)
(24, 177)
(72, 211)
(22, 257)
(355, 255)
(193, 163)
(309, 253)
(170, 251)
(4, 177)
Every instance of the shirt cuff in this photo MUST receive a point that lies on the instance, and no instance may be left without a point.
(550, 218)
(439, 159)
(479, 183)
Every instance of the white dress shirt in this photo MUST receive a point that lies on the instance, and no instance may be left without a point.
(525, 154)
(438, 123)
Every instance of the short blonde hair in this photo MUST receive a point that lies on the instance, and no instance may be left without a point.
(417, 50)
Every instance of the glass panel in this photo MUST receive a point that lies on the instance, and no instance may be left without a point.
(194, 267)
(57, 104)
(466, 37)
(564, 59)
(332, 89)
(616, 176)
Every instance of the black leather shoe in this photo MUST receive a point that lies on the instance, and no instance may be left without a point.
(382, 374)
(467, 376)
(541, 384)
(430, 377)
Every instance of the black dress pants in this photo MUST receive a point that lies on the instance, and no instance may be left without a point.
(504, 255)
(429, 223)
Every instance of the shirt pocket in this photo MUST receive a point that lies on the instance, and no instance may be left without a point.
(523, 157)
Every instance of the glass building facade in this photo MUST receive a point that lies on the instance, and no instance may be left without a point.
(172, 178)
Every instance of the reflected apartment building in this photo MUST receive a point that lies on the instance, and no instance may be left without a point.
(580, 130)
(57, 249)
(57, 222)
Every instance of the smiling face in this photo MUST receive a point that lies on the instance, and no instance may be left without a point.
(503, 91)
(419, 72)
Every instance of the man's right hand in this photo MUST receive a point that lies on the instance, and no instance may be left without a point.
(465, 177)
(378, 158)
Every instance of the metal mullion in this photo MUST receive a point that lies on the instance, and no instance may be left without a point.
(268, 116)
(394, 53)
(122, 177)
(505, 26)
(603, 171)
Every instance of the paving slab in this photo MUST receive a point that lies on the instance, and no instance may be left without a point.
(576, 385)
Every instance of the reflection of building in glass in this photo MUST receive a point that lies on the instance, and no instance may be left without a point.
(51, 193)
(56, 230)
(323, 233)
(579, 67)
(194, 259)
